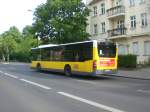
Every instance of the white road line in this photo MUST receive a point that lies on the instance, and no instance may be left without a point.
(86, 81)
(12, 76)
(104, 107)
(5, 63)
(1, 72)
(36, 84)
(144, 91)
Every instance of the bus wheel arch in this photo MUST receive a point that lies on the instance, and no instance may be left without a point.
(67, 70)
(38, 67)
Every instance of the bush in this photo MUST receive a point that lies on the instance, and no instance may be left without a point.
(20, 57)
(127, 61)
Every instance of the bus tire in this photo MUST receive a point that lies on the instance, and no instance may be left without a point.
(67, 70)
(38, 67)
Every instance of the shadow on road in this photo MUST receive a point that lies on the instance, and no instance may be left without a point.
(91, 77)
(55, 75)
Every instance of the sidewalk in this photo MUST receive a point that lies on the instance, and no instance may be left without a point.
(141, 73)
(14, 63)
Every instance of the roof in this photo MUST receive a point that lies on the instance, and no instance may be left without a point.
(52, 45)
(94, 2)
(48, 45)
(44, 46)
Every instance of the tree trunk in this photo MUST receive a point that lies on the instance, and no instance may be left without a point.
(8, 57)
(3, 57)
(7, 54)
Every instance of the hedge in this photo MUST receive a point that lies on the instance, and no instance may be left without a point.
(127, 61)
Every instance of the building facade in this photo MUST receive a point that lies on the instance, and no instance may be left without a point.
(126, 22)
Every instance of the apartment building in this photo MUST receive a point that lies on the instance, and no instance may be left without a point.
(126, 22)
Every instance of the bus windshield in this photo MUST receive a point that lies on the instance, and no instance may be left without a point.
(106, 49)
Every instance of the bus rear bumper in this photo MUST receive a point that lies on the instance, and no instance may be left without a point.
(97, 72)
(103, 72)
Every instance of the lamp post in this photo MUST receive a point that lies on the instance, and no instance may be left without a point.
(36, 34)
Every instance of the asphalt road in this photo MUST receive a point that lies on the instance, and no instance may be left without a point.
(25, 90)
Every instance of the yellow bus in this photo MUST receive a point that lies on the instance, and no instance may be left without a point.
(86, 58)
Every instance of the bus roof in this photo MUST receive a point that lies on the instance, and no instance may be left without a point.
(52, 45)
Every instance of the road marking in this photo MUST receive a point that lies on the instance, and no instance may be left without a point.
(12, 76)
(36, 84)
(86, 81)
(5, 63)
(144, 91)
(1, 72)
(104, 107)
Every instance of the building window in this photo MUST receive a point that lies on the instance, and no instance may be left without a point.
(132, 2)
(119, 2)
(142, 1)
(133, 22)
(121, 27)
(122, 49)
(95, 11)
(147, 47)
(135, 48)
(144, 19)
(103, 27)
(102, 9)
(95, 29)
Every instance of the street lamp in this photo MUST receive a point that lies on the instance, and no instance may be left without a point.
(36, 34)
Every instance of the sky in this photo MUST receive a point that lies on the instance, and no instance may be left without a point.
(16, 13)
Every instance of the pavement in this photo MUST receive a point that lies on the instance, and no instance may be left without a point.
(26, 90)
(139, 73)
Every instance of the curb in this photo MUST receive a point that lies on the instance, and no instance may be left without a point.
(128, 77)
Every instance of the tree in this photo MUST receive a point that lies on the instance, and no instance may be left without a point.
(27, 32)
(15, 45)
(23, 48)
(7, 45)
(8, 42)
(15, 33)
(61, 21)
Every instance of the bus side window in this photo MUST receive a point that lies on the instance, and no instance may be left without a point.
(51, 55)
(61, 53)
(77, 57)
(39, 57)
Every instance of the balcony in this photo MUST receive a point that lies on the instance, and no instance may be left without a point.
(116, 11)
(118, 32)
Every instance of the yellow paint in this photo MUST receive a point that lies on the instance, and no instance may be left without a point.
(75, 66)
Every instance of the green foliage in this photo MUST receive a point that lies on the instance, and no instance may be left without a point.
(61, 21)
(8, 42)
(23, 49)
(128, 61)
(15, 45)
(27, 32)
(15, 33)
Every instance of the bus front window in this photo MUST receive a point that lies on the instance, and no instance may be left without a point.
(106, 50)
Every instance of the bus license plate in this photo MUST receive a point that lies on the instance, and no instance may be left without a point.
(107, 70)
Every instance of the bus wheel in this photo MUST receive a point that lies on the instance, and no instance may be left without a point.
(38, 67)
(67, 70)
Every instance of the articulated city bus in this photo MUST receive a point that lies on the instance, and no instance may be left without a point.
(85, 58)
